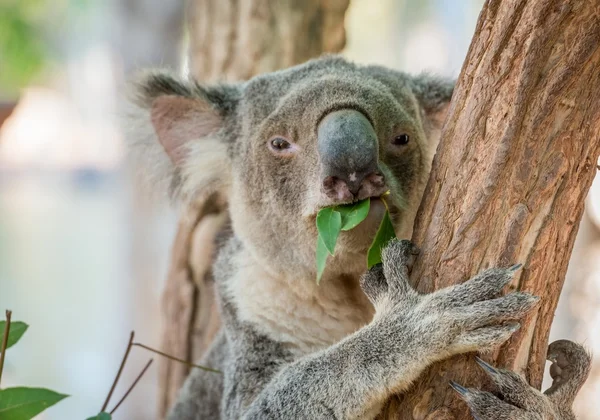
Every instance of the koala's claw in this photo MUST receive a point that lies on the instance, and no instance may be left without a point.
(505, 308)
(462, 391)
(487, 337)
(472, 316)
(486, 406)
(517, 400)
(514, 267)
(486, 366)
(486, 285)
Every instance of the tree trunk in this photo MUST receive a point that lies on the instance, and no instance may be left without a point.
(230, 40)
(237, 39)
(517, 157)
(6, 110)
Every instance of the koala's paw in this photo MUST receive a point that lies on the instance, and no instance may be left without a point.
(398, 258)
(570, 368)
(471, 316)
(515, 399)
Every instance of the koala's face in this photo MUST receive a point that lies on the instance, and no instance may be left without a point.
(286, 144)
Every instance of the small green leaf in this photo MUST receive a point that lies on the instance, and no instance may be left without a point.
(385, 233)
(17, 329)
(322, 255)
(329, 224)
(100, 416)
(22, 403)
(353, 214)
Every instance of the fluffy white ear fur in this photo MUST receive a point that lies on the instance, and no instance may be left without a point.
(179, 120)
(174, 144)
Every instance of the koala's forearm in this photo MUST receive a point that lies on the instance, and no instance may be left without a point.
(410, 331)
(346, 381)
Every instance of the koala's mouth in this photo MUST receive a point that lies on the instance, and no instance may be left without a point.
(352, 188)
(375, 194)
(377, 200)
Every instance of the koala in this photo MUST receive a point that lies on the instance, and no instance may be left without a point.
(280, 147)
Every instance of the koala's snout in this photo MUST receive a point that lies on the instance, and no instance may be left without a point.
(349, 154)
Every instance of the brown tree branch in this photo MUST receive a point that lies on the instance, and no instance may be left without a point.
(185, 362)
(116, 380)
(137, 379)
(518, 155)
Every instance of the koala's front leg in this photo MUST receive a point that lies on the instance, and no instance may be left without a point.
(409, 331)
(519, 401)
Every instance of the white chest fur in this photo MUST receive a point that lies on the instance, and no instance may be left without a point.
(296, 311)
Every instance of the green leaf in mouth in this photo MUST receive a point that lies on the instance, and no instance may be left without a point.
(322, 255)
(385, 233)
(329, 225)
(332, 220)
(353, 214)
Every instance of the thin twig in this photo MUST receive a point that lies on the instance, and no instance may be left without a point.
(132, 385)
(4, 342)
(114, 384)
(168, 356)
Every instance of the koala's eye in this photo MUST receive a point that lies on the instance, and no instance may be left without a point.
(401, 140)
(279, 144)
(282, 147)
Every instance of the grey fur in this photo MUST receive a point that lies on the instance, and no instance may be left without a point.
(290, 349)
(516, 400)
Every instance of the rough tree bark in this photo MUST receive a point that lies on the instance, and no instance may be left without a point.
(230, 40)
(237, 39)
(518, 155)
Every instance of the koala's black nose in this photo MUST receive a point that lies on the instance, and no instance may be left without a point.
(349, 153)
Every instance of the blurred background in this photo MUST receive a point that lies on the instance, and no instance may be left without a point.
(84, 254)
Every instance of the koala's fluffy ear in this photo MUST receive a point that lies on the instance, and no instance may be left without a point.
(434, 94)
(175, 133)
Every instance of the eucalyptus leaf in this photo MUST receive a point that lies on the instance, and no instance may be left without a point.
(385, 233)
(21, 403)
(329, 224)
(17, 329)
(322, 254)
(332, 220)
(353, 214)
(100, 416)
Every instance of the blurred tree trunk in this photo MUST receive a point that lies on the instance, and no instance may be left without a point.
(147, 33)
(230, 40)
(518, 154)
(6, 110)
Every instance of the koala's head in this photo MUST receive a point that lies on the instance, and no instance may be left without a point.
(286, 144)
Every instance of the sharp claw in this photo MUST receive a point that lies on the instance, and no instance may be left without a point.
(459, 388)
(486, 366)
(515, 267)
